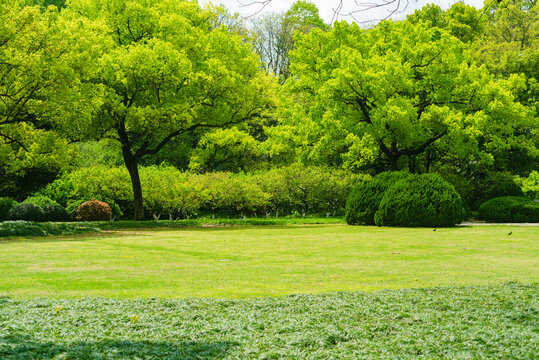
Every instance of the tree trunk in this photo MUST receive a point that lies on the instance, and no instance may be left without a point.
(394, 163)
(132, 166)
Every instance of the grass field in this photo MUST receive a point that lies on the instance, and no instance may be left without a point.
(241, 262)
(473, 322)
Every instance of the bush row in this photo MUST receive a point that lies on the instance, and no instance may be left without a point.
(44, 209)
(27, 228)
(168, 192)
(401, 199)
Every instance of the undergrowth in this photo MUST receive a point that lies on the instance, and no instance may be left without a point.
(473, 322)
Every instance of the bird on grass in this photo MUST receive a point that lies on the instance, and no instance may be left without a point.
(509, 233)
(434, 229)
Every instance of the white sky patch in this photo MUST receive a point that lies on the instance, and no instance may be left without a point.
(327, 7)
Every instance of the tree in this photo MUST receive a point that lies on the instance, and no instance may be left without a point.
(462, 21)
(274, 35)
(166, 70)
(393, 90)
(37, 65)
(510, 45)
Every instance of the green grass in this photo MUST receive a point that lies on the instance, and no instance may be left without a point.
(494, 322)
(242, 262)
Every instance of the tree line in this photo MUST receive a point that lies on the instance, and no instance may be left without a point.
(141, 83)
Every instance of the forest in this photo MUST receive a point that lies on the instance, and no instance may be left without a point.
(169, 109)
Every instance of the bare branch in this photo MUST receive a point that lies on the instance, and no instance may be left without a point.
(393, 7)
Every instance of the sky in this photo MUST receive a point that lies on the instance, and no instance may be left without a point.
(326, 7)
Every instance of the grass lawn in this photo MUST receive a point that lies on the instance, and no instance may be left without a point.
(242, 262)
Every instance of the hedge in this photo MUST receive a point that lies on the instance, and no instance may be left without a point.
(510, 209)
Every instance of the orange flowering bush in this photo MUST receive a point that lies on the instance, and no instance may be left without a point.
(94, 210)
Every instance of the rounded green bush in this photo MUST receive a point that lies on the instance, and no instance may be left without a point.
(510, 209)
(420, 200)
(365, 198)
(27, 212)
(56, 213)
(6, 204)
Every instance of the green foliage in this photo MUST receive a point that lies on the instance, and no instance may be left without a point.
(364, 199)
(463, 21)
(510, 209)
(225, 150)
(55, 213)
(442, 322)
(494, 185)
(93, 153)
(39, 200)
(5, 205)
(529, 185)
(26, 228)
(163, 70)
(171, 193)
(36, 58)
(94, 210)
(420, 200)
(26, 212)
(108, 184)
(395, 92)
(465, 187)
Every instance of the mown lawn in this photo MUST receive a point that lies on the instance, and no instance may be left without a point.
(243, 262)
(473, 322)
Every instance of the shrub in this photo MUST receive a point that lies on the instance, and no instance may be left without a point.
(39, 200)
(94, 210)
(420, 200)
(56, 213)
(27, 212)
(72, 207)
(6, 204)
(365, 198)
(464, 187)
(496, 185)
(510, 209)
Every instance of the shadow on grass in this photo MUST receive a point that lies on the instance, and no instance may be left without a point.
(20, 347)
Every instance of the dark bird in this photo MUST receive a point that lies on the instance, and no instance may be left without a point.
(434, 229)
(509, 233)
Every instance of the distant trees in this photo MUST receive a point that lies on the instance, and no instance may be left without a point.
(274, 35)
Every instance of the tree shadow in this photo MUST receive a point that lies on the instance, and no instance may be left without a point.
(21, 347)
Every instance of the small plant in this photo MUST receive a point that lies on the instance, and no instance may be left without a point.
(58, 309)
(94, 210)
(134, 318)
(27, 212)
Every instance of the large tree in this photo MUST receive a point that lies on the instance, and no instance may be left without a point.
(39, 58)
(394, 90)
(165, 69)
